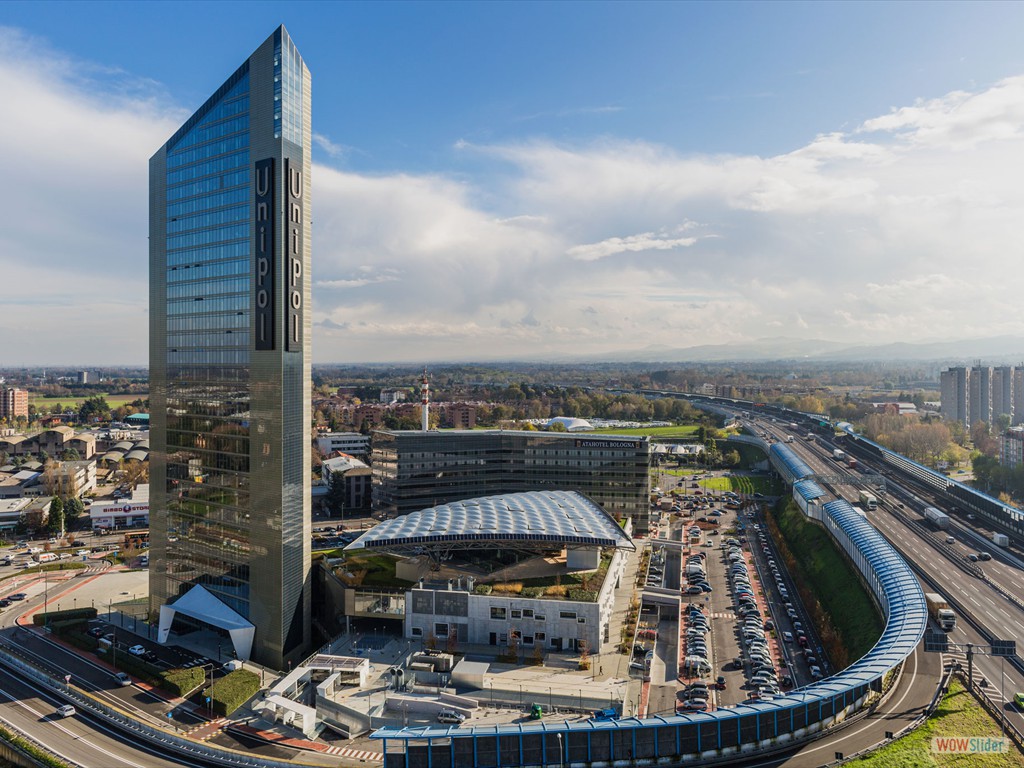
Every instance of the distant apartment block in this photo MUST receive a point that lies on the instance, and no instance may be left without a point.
(461, 415)
(980, 383)
(1002, 391)
(1011, 447)
(13, 403)
(1017, 395)
(954, 385)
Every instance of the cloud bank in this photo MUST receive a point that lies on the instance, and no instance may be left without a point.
(903, 228)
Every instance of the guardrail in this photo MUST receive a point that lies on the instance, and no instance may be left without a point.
(159, 738)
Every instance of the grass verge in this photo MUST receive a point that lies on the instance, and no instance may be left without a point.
(685, 430)
(843, 612)
(958, 714)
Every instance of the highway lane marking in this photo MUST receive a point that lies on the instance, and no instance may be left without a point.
(851, 734)
(72, 734)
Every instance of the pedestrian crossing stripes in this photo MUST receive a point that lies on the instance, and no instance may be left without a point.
(359, 754)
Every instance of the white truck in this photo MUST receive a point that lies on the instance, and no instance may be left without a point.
(936, 517)
(867, 500)
(939, 610)
(838, 455)
(1000, 539)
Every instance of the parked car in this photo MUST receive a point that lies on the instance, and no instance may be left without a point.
(451, 716)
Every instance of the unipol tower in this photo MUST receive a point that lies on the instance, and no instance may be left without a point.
(229, 261)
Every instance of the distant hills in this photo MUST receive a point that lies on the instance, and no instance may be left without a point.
(991, 351)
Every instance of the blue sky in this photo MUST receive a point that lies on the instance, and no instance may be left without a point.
(538, 180)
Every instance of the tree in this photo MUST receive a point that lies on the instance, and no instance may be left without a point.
(73, 509)
(94, 408)
(56, 519)
(334, 500)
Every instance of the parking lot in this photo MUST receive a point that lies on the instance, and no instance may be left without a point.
(743, 634)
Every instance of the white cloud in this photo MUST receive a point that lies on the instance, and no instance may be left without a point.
(646, 241)
(891, 232)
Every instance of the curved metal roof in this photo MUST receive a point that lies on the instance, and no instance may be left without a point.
(906, 619)
(808, 490)
(789, 465)
(563, 518)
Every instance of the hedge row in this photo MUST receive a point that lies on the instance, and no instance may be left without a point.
(232, 691)
(81, 614)
(182, 682)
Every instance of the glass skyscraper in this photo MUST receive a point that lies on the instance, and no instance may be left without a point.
(230, 362)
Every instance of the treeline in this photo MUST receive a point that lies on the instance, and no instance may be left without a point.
(923, 440)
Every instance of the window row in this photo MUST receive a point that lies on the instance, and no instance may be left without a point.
(208, 357)
(217, 165)
(222, 304)
(239, 320)
(235, 101)
(207, 288)
(208, 202)
(205, 186)
(179, 341)
(204, 271)
(210, 131)
(185, 375)
(208, 219)
(208, 236)
(194, 256)
(189, 156)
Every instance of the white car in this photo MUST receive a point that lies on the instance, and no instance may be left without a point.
(787, 636)
(137, 650)
(66, 711)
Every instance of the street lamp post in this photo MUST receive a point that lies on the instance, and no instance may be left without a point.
(561, 754)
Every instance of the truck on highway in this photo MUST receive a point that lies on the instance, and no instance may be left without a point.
(939, 610)
(867, 500)
(937, 518)
(789, 438)
(1000, 539)
(838, 455)
(851, 462)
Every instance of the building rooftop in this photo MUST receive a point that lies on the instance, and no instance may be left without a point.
(536, 518)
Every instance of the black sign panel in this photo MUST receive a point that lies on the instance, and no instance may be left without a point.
(1004, 647)
(936, 642)
(293, 249)
(264, 255)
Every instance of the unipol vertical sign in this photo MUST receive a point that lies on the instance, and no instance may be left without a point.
(264, 261)
(293, 247)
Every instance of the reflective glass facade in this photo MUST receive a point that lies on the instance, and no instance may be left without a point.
(414, 470)
(229, 263)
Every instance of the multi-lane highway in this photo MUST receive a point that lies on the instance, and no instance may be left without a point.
(944, 568)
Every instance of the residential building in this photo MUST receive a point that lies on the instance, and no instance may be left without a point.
(1018, 394)
(1002, 392)
(230, 362)
(980, 408)
(356, 481)
(13, 403)
(1011, 447)
(461, 415)
(955, 392)
(415, 469)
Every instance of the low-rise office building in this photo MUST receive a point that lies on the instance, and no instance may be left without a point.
(416, 469)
